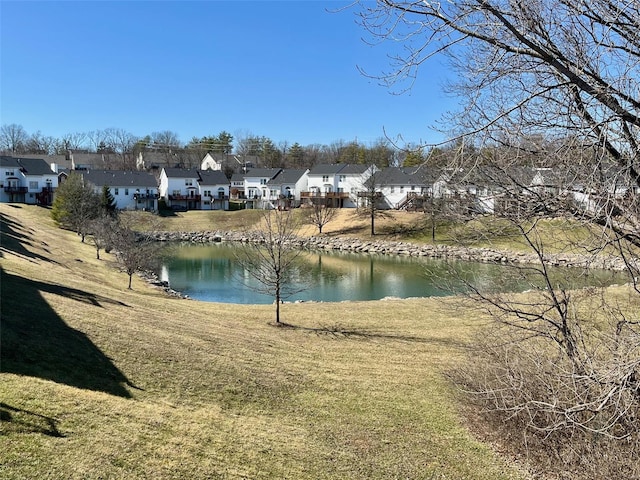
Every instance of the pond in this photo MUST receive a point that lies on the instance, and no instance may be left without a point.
(212, 273)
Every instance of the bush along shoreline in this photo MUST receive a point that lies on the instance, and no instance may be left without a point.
(384, 247)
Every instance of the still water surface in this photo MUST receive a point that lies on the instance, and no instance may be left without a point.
(211, 273)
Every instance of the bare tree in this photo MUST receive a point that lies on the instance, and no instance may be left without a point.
(122, 143)
(319, 215)
(102, 232)
(38, 143)
(370, 195)
(96, 138)
(135, 252)
(13, 138)
(551, 82)
(73, 141)
(271, 258)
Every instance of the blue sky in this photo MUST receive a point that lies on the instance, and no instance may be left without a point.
(287, 70)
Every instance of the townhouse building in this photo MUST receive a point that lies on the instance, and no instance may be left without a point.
(336, 185)
(214, 190)
(131, 190)
(193, 189)
(179, 188)
(286, 187)
(256, 187)
(27, 180)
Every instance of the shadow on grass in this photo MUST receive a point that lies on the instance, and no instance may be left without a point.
(338, 332)
(36, 342)
(19, 420)
(15, 238)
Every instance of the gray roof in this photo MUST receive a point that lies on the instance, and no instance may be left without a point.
(181, 172)
(356, 169)
(262, 172)
(9, 162)
(327, 168)
(60, 160)
(288, 176)
(398, 176)
(29, 166)
(212, 177)
(120, 178)
(98, 160)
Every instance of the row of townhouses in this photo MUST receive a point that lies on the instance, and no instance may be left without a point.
(34, 181)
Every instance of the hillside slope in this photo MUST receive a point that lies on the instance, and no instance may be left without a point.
(101, 382)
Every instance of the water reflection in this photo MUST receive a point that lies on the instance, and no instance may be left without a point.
(210, 273)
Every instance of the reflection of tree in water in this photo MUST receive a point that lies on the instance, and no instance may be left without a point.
(337, 276)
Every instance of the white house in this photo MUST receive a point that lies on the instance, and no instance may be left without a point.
(180, 189)
(214, 190)
(131, 190)
(286, 187)
(336, 185)
(237, 186)
(256, 187)
(399, 187)
(209, 162)
(26, 180)
(192, 189)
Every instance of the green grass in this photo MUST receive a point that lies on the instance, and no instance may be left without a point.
(101, 382)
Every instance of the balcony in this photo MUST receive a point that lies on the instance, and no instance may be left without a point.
(146, 196)
(216, 198)
(15, 189)
(185, 198)
(324, 195)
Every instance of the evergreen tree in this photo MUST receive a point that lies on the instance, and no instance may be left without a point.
(75, 205)
(107, 202)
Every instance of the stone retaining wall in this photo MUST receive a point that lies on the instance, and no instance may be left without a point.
(485, 255)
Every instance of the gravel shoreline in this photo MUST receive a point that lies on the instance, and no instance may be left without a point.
(384, 247)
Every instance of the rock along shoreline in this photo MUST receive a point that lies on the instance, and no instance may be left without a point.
(384, 247)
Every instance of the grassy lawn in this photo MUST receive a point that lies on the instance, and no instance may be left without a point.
(98, 381)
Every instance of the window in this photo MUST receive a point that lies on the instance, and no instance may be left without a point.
(126, 191)
(273, 193)
(401, 189)
(188, 182)
(343, 178)
(392, 189)
(116, 191)
(33, 185)
(263, 181)
(176, 192)
(207, 193)
(325, 178)
(9, 173)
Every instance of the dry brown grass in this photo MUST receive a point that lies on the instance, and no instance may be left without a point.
(348, 222)
(102, 382)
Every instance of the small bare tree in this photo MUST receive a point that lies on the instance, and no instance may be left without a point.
(270, 257)
(103, 230)
(135, 252)
(319, 215)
